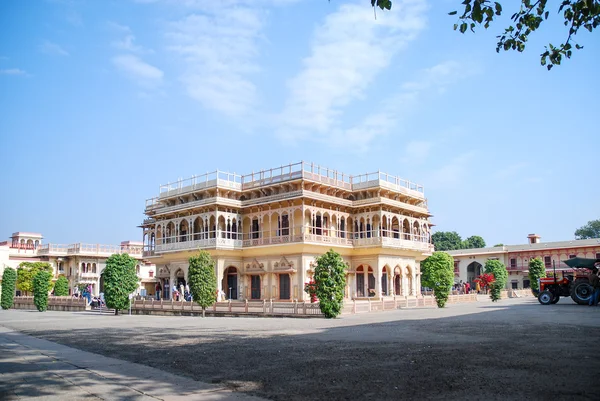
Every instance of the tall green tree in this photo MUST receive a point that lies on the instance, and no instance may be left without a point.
(474, 241)
(498, 269)
(61, 287)
(330, 281)
(9, 279)
(120, 280)
(537, 270)
(590, 230)
(437, 272)
(27, 271)
(202, 280)
(500, 244)
(447, 241)
(528, 17)
(42, 283)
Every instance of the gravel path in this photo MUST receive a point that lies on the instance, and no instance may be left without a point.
(515, 349)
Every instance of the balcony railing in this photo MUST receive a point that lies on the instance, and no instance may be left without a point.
(314, 235)
(88, 249)
(525, 267)
(308, 171)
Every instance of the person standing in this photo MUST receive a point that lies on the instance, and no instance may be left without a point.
(157, 288)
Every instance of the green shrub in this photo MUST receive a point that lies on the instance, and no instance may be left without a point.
(41, 286)
(330, 280)
(120, 280)
(498, 269)
(61, 287)
(202, 280)
(437, 272)
(9, 279)
(537, 270)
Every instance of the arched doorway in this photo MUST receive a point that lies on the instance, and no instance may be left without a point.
(230, 282)
(384, 281)
(364, 275)
(360, 282)
(474, 270)
(179, 279)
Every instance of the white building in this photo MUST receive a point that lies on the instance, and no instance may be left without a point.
(79, 263)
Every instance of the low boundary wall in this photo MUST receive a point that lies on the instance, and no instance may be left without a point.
(285, 309)
(54, 303)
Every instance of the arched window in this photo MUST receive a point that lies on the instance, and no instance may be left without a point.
(137, 270)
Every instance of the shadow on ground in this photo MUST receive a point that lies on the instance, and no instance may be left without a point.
(514, 351)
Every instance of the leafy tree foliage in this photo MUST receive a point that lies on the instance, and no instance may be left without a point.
(120, 280)
(500, 244)
(9, 279)
(530, 16)
(447, 241)
(437, 272)
(42, 283)
(330, 280)
(498, 269)
(202, 280)
(474, 241)
(27, 271)
(537, 270)
(61, 287)
(590, 230)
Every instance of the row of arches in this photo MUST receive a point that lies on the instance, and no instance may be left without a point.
(393, 282)
(284, 223)
(26, 244)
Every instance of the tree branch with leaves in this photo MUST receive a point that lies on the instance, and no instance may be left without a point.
(577, 14)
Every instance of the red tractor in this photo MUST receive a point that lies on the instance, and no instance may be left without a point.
(575, 284)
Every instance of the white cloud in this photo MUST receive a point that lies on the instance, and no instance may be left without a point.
(53, 49)
(142, 72)
(218, 50)
(128, 44)
(349, 50)
(13, 71)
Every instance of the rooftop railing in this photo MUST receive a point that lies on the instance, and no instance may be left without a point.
(293, 171)
(87, 249)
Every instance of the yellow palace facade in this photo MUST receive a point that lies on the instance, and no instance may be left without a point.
(265, 229)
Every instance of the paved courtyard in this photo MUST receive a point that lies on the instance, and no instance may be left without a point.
(515, 349)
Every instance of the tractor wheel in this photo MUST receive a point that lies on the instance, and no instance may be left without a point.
(556, 299)
(581, 291)
(546, 297)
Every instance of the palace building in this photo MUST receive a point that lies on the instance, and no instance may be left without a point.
(81, 264)
(265, 229)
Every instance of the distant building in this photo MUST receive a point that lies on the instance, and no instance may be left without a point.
(265, 230)
(79, 263)
(469, 263)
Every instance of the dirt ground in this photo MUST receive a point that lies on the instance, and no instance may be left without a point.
(515, 349)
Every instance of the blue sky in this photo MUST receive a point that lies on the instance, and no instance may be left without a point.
(103, 101)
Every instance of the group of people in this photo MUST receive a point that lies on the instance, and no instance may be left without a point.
(177, 293)
(462, 288)
(595, 283)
